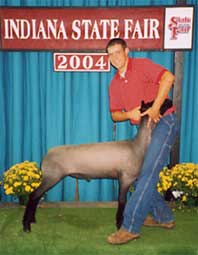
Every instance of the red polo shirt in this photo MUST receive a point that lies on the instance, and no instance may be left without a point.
(141, 82)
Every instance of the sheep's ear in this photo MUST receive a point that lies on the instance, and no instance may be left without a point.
(143, 106)
(166, 105)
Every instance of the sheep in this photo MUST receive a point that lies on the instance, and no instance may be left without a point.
(120, 160)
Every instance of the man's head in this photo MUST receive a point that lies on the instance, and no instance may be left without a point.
(115, 41)
(117, 51)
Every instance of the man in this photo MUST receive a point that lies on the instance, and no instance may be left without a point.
(136, 80)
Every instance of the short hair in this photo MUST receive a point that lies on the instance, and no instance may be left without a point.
(115, 41)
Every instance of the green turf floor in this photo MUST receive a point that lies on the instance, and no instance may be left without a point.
(83, 231)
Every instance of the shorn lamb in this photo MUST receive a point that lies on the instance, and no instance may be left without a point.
(116, 160)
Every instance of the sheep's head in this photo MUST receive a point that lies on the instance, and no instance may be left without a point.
(165, 106)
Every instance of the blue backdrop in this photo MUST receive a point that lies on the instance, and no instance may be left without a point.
(41, 108)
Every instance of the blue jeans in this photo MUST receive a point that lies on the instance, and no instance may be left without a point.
(145, 199)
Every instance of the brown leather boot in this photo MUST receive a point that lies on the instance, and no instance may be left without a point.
(122, 236)
(150, 222)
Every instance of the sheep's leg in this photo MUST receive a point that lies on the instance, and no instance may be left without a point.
(30, 211)
(29, 215)
(123, 189)
(119, 214)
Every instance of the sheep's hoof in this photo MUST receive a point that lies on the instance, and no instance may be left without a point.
(26, 227)
(33, 220)
(118, 225)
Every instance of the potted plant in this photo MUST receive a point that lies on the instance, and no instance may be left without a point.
(22, 179)
(182, 181)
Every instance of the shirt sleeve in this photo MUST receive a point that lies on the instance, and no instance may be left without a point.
(153, 71)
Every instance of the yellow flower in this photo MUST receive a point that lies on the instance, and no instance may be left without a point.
(37, 176)
(9, 191)
(16, 184)
(27, 188)
(5, 186)
(35, 185)
(25, 178)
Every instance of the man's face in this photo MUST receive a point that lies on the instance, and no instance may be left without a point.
(118, 57)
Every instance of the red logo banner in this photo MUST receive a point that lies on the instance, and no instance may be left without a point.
(80, 28)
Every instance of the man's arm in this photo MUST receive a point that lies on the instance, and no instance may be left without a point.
(133, 114)
(166, 83)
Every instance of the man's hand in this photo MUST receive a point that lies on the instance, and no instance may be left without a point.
(154, 115)
(134, 114)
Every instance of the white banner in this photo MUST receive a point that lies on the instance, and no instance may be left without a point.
(178, 28)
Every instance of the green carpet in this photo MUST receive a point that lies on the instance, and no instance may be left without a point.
(83, 231)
